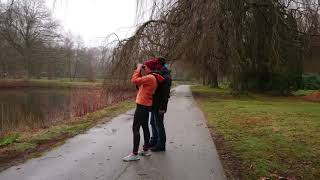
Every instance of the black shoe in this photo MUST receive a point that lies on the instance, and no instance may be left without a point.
(157, 149)
(152, 144)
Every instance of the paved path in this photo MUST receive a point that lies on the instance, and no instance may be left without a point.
(190, 155)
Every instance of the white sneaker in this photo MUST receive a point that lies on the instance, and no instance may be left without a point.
(131, 157)
(144, 153)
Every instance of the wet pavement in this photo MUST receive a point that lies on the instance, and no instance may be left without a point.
(97, 154)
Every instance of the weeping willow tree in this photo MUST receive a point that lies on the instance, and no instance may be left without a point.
(256, 45)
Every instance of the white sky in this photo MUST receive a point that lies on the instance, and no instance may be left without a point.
(95, 19)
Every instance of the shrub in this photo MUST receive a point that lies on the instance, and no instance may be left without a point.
(275, 83)
(311, 81)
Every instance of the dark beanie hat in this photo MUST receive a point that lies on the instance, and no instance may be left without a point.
(153, 64)
(162, 60)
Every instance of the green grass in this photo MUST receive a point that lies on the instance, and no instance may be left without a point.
(179, 82)
(62, 83)
(8, 139)
(21, 147)
(270, 135)
(29, 140)
(60, 131)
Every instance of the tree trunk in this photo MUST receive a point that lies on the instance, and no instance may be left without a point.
(27, 66)
(70, 68)
(50, 71)
(75, 70)
(214, 80)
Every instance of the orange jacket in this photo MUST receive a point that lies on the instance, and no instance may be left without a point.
(147, 86)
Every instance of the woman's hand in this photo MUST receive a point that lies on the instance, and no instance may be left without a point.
(139, 66)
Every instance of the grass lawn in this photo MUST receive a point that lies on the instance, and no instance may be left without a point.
(62, 83)
(270, 137)
(23, 144)
(177, 83)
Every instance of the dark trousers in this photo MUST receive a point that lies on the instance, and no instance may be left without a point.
(158, 138)
(141, 118)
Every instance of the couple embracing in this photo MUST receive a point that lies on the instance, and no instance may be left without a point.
(153, 81)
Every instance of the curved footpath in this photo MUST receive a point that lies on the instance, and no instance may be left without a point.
(97, 154)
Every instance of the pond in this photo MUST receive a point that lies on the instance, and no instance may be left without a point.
(31, 108)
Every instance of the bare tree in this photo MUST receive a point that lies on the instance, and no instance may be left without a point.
(26, 25)
(69, 52)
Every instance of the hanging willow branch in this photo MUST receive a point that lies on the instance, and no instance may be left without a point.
(239, 40)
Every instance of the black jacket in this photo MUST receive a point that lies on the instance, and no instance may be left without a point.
(162, 93)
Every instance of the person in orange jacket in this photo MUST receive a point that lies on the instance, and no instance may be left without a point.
(147, 84)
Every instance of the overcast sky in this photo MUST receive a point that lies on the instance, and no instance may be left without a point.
(95, 19)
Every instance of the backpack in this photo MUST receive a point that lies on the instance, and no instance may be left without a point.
(162, 93)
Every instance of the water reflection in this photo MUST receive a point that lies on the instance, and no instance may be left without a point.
(40, 107)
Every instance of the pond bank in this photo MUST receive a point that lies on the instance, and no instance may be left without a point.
(15, 147)
(44, 83)
(38, 106)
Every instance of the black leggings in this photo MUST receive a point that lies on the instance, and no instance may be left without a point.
(141, 118)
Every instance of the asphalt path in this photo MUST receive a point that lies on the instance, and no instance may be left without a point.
(97, 154)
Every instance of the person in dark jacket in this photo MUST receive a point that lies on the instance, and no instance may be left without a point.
(159, 108)
(147, 84)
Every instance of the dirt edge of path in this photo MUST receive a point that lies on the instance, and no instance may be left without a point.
(16, 158)
(231, 164)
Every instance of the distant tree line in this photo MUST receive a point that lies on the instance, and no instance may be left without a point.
(252, 44)
(32, 45)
